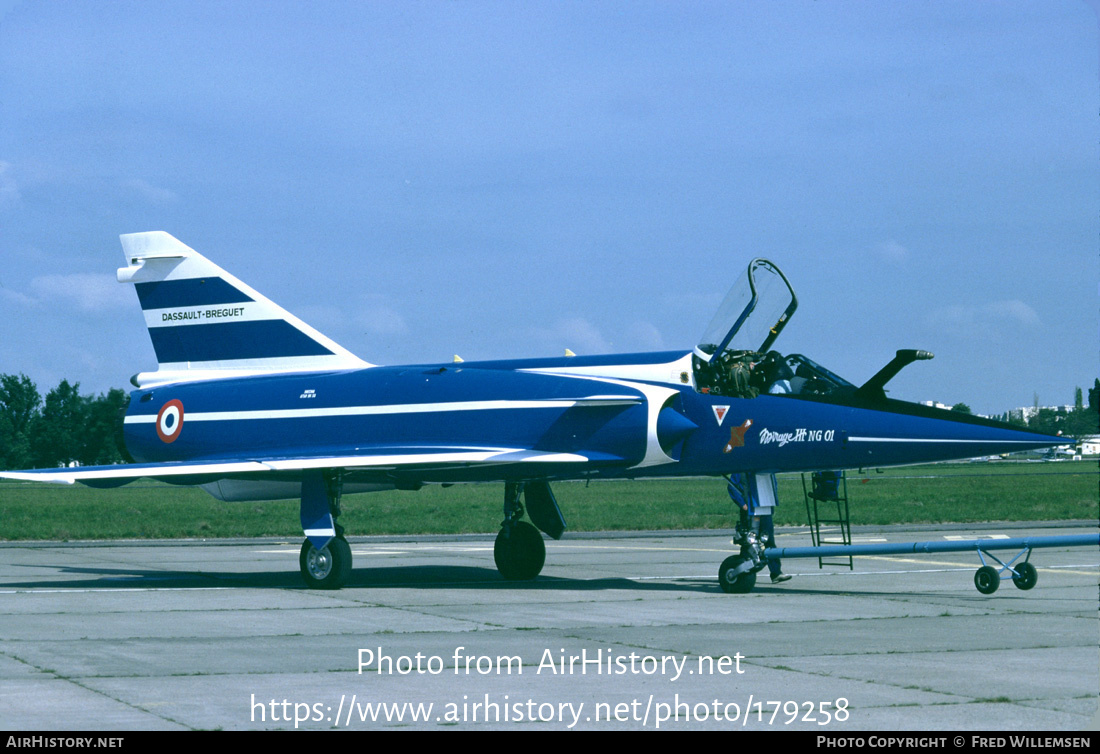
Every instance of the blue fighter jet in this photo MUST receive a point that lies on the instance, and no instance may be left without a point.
(251, 403)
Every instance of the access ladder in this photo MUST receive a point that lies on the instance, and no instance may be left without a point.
(826, 499)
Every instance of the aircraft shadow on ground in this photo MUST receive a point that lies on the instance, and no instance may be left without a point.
(433, 577)
(440, 578)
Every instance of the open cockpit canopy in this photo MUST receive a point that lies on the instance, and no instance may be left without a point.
(734, 356)
(755, 310)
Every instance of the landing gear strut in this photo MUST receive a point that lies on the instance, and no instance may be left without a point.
(325, 558)
(737, 574)
(519, 551)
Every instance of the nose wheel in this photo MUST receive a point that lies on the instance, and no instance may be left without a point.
(733, 576)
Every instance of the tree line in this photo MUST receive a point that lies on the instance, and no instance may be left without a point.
(1080, 421)
(66, 427)
(61, 429)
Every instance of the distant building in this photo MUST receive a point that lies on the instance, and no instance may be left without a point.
(1027, 412)
(1024, 413)
(1089, 446)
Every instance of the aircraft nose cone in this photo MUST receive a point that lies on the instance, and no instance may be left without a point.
(895, 438)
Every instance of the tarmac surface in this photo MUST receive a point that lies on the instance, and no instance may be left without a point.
(619, 632)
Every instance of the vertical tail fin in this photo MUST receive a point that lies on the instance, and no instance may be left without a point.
(205, 323)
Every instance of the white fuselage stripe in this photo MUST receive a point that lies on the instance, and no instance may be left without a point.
(400, 408)
(936, 439)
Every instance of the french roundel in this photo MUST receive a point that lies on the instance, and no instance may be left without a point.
(170, 421)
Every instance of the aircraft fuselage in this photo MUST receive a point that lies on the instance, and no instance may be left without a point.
(577, 414)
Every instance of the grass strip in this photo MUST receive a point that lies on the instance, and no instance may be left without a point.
(941, 493)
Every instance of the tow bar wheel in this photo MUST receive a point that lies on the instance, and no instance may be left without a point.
(1026, 576)
(987, 579)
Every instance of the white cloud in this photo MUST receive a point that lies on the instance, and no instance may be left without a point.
(892, 251)
(9, 189)
(345, 323)
(576, 334)
(15, 297)
(1014, 310)
(89, 292)
(645, 337)
(380, 319)
(997, 319)
(154, 195)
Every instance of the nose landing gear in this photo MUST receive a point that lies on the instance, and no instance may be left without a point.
(737, 574)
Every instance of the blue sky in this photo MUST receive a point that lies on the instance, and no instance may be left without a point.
(499, 179)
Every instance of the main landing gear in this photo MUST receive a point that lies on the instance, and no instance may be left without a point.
(329, 567)
(325, 558)
(519, 551)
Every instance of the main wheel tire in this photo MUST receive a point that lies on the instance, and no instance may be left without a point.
(327, 568)
(741, 583)
(1026, 576)
(986, 579)
(520, 553)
